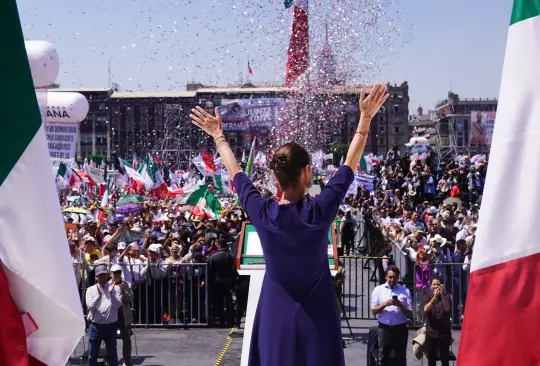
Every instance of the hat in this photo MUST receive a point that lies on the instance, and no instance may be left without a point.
(471, 229)
(121, 246)
(134, 246)
(156, 248)
(432, 210)
(101, 270)
(89, 239)
(116, 268)
(439, 239)
(136, 227)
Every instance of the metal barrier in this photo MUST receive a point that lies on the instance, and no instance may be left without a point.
(454, 276)
(360, 276)
(164, 295)
(365, 238)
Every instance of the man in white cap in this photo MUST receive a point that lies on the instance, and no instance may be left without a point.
(103, 301)
(154, 288)
(125, 318)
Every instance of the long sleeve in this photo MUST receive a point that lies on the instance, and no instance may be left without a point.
(128, 294)
(116, 297)
(328, 201)
(250, 198)
(92, 297)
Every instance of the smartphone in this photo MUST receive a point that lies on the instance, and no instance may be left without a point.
(394, 297)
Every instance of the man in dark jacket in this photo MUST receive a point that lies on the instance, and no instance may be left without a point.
(220, 275)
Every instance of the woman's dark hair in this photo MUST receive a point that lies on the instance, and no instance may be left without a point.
(287, 163)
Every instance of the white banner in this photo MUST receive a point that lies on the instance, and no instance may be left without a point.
(62, 140)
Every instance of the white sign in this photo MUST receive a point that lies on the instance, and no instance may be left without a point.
(254, 244)
(62, 140)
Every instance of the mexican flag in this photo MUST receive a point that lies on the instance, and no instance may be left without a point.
(203, 202)
(298, 53)
(502, 311)
(38, 282)
(181, 191)
(67, 174)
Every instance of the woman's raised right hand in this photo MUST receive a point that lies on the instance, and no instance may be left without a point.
(372, 104)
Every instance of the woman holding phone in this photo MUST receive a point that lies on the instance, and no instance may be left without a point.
(438, 331)
(297, 321)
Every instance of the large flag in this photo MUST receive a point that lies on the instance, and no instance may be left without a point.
(298, 53)
(41, 280)
(204, 202)
(502, 311)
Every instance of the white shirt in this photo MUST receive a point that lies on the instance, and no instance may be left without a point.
(391, 315)
(132, 268)
(103, 309)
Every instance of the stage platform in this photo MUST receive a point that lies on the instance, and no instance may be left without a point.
(202, 347)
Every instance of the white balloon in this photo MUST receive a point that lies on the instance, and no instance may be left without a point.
(419, 140)
(66, 107)
(43, 61)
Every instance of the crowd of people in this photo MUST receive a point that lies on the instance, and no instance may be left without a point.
(180, 267)
(425, 215)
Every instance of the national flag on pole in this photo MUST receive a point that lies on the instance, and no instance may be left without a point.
(249, 166)
(249, 69)
(502, 311)
(41, 282)
(298, 53)
(67, 174)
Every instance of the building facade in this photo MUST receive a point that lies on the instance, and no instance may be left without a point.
(129, 124)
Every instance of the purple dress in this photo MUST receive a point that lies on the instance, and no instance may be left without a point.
(297, 321)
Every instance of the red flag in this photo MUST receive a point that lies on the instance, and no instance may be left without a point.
(298, 54)
(13, 349)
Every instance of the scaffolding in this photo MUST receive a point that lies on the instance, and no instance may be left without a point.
(181, 141)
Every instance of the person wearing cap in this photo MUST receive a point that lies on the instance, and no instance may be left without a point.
(125, 317)
(155, 287)
(131, 261)
(175, 285)
(103, 301)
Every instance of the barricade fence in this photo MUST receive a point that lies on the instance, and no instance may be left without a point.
(182, 295)
(164, 294)
(358, 277)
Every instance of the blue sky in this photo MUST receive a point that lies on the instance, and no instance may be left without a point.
(162, 44)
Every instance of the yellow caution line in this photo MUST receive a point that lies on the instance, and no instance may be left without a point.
(227, 344)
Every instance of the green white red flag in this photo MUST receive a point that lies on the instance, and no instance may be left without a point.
(502, 310)
(40, 279)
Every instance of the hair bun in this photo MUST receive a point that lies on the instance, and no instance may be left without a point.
(278, 163)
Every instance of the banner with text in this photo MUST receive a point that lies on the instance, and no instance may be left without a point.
(62, 140)
(481, 128)
(254, 116)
